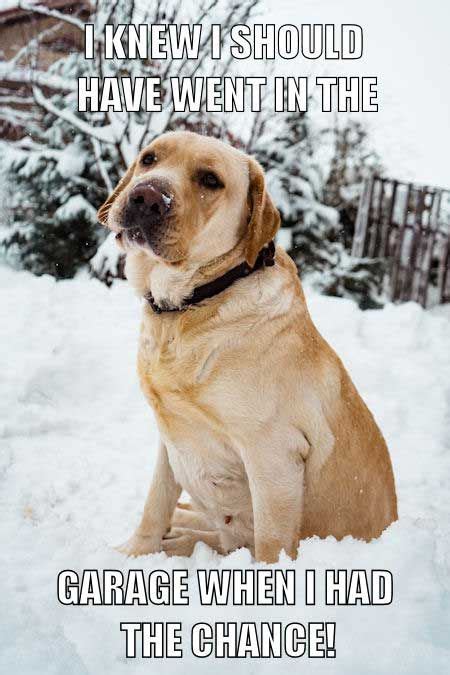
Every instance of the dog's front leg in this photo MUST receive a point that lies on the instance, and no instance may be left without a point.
(158, 510)
(276, 480)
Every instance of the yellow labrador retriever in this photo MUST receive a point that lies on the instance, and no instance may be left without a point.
(259, 421)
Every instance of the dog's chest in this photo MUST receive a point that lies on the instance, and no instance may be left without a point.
(175, 375)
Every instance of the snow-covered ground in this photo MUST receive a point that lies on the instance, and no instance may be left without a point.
(77, 448)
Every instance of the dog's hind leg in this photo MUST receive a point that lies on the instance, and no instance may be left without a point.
(186, 516)
(181, 541)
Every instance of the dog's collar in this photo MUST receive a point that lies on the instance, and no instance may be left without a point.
(265, 259)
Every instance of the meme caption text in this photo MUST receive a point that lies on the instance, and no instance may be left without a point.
(227, 587)
(228, 93)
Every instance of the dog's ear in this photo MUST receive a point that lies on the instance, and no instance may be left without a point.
(264, 217)
(102, 213)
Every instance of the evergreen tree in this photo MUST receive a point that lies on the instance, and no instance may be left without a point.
(288, 151)
(52, 192)
(353, 161)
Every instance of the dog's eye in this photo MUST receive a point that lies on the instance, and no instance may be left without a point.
(148, 159)
(209, 180)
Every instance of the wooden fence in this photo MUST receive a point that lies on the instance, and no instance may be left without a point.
(409, 225)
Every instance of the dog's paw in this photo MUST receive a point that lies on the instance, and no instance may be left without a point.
(179, 541)
(140, 544)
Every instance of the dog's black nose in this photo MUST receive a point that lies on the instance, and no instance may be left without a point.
(148, 204)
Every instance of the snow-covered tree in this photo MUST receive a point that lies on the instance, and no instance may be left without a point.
(289, 149)
(353, 160)
(51, 193)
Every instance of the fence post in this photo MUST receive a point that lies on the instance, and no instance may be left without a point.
(444, 274)
(385, 237)
(429, 248)
(397, 263)
(362, 219)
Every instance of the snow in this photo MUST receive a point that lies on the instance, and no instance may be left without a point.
(167, 199)
(106, 259)
(9, 4)
(78, 445)
(284, 238)
(71, 161)
(74, 207)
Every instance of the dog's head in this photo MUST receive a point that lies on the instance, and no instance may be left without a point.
(191, 198)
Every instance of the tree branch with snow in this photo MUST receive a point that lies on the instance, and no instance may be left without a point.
(53, 13)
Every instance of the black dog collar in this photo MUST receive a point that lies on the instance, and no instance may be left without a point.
(265, 259)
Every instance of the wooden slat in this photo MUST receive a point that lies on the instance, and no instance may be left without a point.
(362, 219)
(429, 251)
(410, 271)
(387, 225)
(396, 268)
(423, 234)
(444, 274)
(378, 232)
(373, 221)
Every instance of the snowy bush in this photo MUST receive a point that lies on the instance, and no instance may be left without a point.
(51, 221)
(353, 161)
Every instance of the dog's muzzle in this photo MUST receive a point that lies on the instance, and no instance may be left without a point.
(148, 207)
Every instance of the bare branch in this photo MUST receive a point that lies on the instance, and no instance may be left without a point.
(15, 100)
(111, 13)
(101, 134)
(15, 117)
(40, 9)
(101, 167)
(131, 12)
(228, 23)
(202, 50)
(41, 78)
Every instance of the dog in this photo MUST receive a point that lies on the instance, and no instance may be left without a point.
(259, 421)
